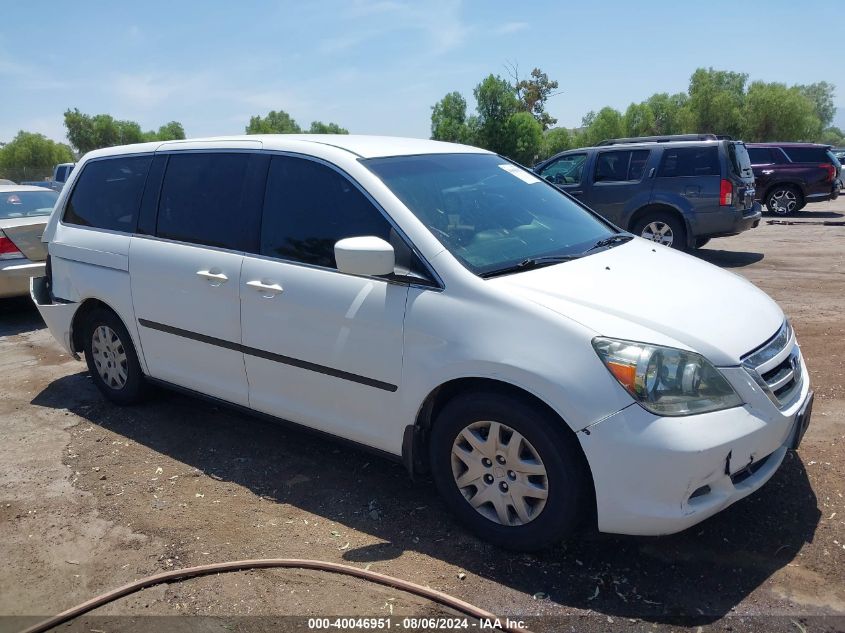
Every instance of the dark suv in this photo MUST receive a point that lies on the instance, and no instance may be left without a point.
(676, 190)
(789, 175)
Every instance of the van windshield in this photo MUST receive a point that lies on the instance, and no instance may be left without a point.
(490, 214)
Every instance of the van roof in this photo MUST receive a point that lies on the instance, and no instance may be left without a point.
(363, 146)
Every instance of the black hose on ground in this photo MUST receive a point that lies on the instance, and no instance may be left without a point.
(178, 575)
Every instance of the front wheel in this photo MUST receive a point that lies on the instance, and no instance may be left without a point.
(111, 358)
(508, 470)
(663, 228)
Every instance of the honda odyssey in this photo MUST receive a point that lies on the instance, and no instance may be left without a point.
(436, 303)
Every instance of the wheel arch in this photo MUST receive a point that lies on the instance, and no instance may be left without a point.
(795, 184)
(86, 307)
(658, 207)
(416, 436)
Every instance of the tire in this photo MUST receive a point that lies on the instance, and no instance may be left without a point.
(784, 200)
(546, 448)
(111, 358)
(701, 241)
(664, 228)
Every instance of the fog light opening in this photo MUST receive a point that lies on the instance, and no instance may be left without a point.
(700, 492)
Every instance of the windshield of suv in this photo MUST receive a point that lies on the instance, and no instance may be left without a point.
(489, 213)
(19, 204)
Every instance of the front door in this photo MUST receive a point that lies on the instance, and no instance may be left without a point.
(322, 348)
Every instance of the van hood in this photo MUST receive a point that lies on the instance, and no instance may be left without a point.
(646, 292)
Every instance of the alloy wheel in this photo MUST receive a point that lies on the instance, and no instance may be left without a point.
(109, 357)
(658, 231)
(499, 473)
(783, 202)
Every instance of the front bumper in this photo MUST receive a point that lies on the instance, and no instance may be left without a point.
(15, 275)
(656, 475)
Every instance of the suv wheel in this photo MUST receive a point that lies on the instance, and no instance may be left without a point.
(663, 228)
(111, 358)
(784, 200)
(506, 471)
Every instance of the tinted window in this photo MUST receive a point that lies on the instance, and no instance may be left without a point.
(689, 161)
(308, 207)
(621, 165)
(740, 161)
(566, 170)
(203, 200)
(108, 193)
(19, 204)
(760, 155)
(807, 154)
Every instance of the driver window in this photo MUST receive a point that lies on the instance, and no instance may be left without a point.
(567, 170)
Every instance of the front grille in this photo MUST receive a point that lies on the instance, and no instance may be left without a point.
(776, 367)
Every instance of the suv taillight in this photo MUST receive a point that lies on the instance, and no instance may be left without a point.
(831, 171)
(726, 193)
(8, 250)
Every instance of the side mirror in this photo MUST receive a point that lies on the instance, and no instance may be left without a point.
(367, 255)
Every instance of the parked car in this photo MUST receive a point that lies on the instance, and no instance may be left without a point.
(24, 212)
(679, 191)
(61, 173)
(3, 181)
(438, 304)
(790, 175)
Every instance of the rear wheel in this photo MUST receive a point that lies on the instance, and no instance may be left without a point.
(111, 358)
(663, 228)
(784, 200)
(507, 470)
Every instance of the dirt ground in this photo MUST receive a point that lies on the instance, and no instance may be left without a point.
(93, 496)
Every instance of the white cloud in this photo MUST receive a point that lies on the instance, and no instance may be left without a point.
(510, 27)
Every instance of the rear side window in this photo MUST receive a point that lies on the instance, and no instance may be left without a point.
(622, 165)
(204, 200)
(108, 194)
(760, 155)
(689, 161)
(807, 154)
(308, 207)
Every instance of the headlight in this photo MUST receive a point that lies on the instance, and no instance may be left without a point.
(665, 380)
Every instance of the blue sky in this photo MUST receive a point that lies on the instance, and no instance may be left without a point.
(377, 66)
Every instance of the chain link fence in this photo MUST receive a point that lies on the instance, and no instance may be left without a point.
(26, 174)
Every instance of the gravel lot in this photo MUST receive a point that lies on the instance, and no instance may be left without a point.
(93, 496)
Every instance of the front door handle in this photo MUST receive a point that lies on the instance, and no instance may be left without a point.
(577, 192)
(214, 277)
(266, 289)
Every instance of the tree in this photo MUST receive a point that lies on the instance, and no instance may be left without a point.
(524, 136)
(87, 133)
(555, 141)
(606, 123)
(832, 136)
(496, 103)
(639, 120)
(274, 123)
(716, 100)
(449, 119)
(821, 94)
(671, 114)
(31, 155)
(774, 112)
(533, 94)
(318, 127)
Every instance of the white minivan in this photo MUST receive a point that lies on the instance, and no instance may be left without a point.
(439, 304)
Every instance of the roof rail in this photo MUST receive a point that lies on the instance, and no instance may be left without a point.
(665, 139)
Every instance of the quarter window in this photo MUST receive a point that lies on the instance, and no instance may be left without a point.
(204, 200)
(309, 206)
(807, 154)
(108, 194)
(622, 165)
(689, 161)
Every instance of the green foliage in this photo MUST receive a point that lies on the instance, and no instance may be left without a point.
(832, 136)
(716, 100)
(774, 112)
(274, 123)
(555, 141)
(35, 151)
(86, 132)
(639, 120)
(606, 123)
(821, 94)
(533, 94)
(318, 127)
(526, 135)
(496, 103)
(449, 119)
(670, 112)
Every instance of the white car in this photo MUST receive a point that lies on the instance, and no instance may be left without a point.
(24, 212)
(436, 303)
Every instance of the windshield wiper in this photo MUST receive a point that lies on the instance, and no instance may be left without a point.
(527, 264)
(539, 262)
